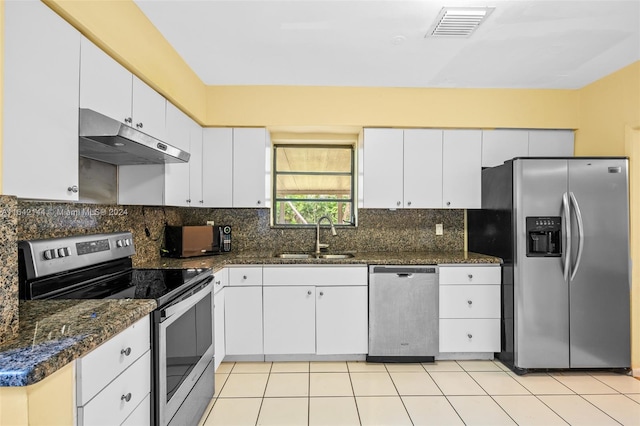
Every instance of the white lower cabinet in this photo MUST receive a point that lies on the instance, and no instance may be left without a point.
(342, 325)
(218, 327)
(289, 320)
(469, 309)
(315, 310)
(114, 380)
(243, 320)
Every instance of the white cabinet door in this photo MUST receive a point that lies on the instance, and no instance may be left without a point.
(249, 167)
(148, 110)
(341, 320)
(40, 122)
(243, 320)
(551, 143)
(218, 326)
(176, 190)
(461, 169)
(383, 168)
(501, 145)
(423, 168)
(289, 320)
(105, 85)
(195, 166)
(217, 167)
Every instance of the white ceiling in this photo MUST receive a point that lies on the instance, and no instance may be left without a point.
(523, 44)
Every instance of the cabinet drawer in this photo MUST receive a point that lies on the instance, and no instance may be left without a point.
(470, 301)
(470, 335)
(469, 274)
(103, 364)
(315, 275)
(246, 275)
(110, 406)
(141, 415)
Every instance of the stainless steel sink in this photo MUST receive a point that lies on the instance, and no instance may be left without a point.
(327, 256)
(335, 256)
(294, 255)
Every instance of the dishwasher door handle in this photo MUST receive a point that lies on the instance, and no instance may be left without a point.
(404, 275)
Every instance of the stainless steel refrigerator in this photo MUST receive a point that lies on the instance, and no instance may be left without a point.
(561, 226)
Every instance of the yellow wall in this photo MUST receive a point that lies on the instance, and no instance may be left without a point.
(399, 107)
(606, 107)
(610, 125)
(48, 402)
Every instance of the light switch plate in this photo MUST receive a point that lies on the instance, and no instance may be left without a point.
(210, 223)
(439, 229)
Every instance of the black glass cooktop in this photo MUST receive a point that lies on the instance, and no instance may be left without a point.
(118, 283)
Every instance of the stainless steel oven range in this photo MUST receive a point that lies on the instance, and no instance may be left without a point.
(99, 266)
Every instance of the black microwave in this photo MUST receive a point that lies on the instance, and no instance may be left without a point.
(190, 241)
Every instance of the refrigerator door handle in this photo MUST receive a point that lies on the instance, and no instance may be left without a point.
(578, 214)
(566, 219)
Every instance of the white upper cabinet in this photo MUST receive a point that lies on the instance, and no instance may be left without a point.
(105, 85)
(148, 110)
(40, 114)
(383, 168)
(551, 143)
(217, 167)
(461, 169)
(108, 88)
(501, 145)
(195, 166)
(176, 178)
(250, 168)
(423, 168)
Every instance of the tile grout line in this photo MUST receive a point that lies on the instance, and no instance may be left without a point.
(264, 392)
(353, 391)
(444, 394)
(491, 396)
(398, 392)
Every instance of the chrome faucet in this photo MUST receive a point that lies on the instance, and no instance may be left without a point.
(333, 232)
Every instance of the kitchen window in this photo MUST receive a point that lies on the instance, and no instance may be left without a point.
(311, 181)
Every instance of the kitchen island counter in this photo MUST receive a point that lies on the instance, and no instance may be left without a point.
(53, 333)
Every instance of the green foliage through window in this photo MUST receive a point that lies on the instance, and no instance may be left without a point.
(311, 181)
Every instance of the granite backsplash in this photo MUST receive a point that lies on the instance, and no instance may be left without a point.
(377, 230)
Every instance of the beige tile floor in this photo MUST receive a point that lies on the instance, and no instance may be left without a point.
(443, 393)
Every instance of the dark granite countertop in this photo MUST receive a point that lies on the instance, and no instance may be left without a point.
(359, 258)
(53, 333)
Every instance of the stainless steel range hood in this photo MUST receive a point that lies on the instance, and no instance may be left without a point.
(104, 139)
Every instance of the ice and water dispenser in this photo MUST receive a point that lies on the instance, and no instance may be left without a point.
(544, 236)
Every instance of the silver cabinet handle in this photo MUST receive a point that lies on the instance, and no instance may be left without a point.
(73, 189)
(128, 120)
(188, 200)
(469, 335)
(398, 203)
(244, 277)
(408, 203)
(126, 352)
(217, 282)
(470, 276)
(322, 293)
(139, 125)
(126, 398)
(201, 201)
(448, 203)
(470, 302)
(309, 292)
(259, 202)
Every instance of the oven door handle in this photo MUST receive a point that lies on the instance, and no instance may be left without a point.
(197, 295)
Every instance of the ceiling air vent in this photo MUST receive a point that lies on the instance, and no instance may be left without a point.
(458, 21)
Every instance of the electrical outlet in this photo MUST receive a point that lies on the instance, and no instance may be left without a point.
(210, 222)
(439, 229)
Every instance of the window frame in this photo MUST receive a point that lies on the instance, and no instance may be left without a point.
(274, 185)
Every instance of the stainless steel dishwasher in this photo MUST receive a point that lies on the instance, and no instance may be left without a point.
(403, 313)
